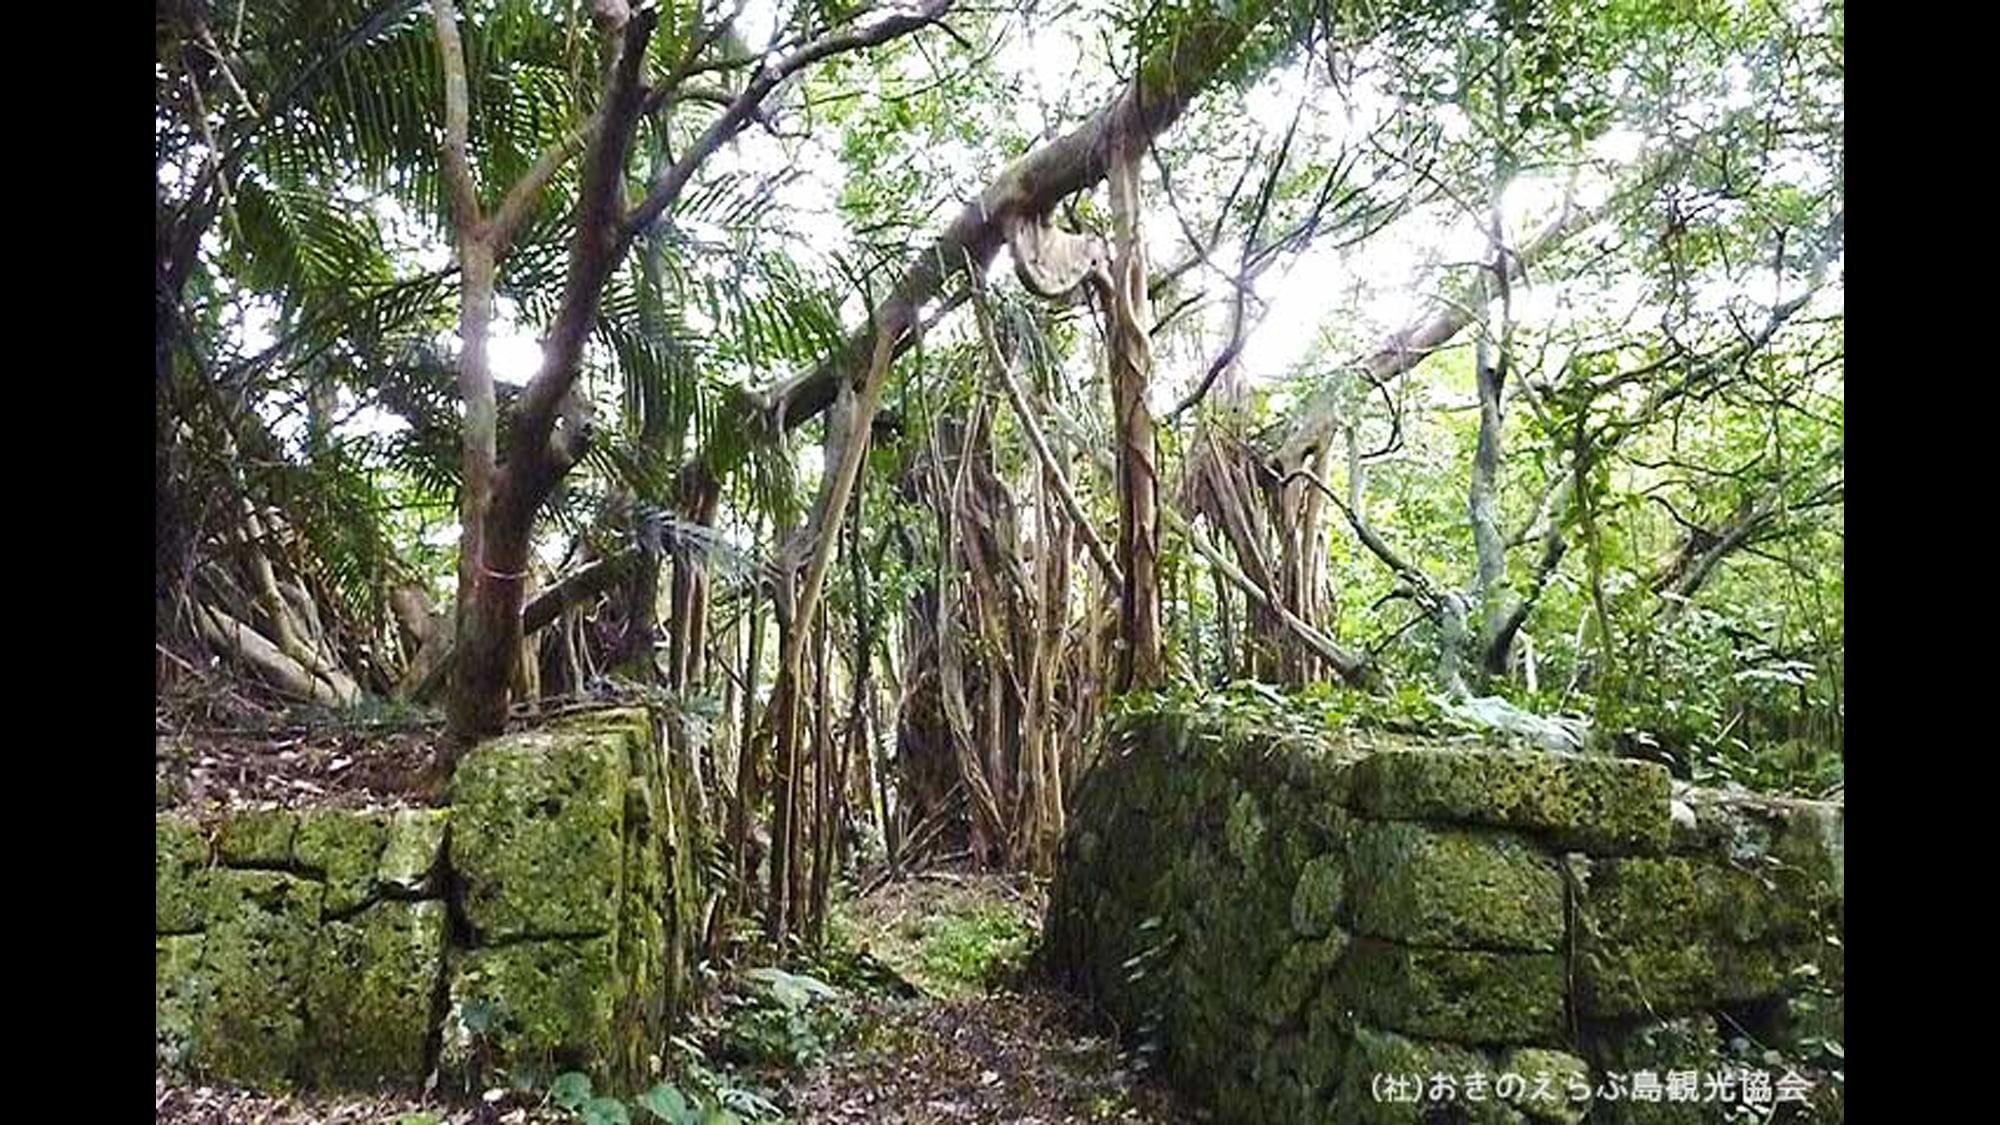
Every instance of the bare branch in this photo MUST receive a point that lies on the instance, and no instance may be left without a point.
(666, 189)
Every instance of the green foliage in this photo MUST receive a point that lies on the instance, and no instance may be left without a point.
(783, 1019)
(975, 949)
(572, 1093)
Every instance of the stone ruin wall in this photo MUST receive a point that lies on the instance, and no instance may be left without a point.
(1287, 923)
(539, 924)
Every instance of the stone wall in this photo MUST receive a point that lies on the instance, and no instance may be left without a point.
(1289, 923)
(539, 924)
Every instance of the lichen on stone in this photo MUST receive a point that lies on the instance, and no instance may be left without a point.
(1591, 804)
(369, 1000)
(180, 875)
(536, 841)
(413, 851)
(1456, 888)
(255, 961)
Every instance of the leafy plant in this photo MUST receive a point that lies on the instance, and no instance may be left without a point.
(571, 1091)
(783, 1019)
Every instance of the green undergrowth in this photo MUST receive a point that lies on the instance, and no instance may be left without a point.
(948, 936)
(1311, 711)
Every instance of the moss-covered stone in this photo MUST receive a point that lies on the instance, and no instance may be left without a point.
(1320, 897)
(1466, 996)
(1245, 831)
(533, 1009)
(179, 990)
(374, 982)
(1302, 969)
(1556, 1086)
(1676, 935)
(340, 846)
(180, 875)
(258, 838)
(1394, 1080)
(536, 841)
(1592, 804)
(255, 960)
(643, 945)
(412, 855)
(1455, 888)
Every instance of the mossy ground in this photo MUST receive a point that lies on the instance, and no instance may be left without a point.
(950, 935)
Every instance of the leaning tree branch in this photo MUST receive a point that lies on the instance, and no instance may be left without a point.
(1030, 187)
(1319, 418)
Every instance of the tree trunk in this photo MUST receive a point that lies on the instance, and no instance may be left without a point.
(1140, 661)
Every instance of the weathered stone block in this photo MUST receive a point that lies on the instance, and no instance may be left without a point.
(1455, 888)
(180, 875)
(1320, 897)
(258, 838)
(412, 856)
(340, 846)
(374, 982)
(536, 840)
(1678, 935)
(1301, 970)
(533, 1009)
(1466, 996)
(1592, 804)
(255, 960)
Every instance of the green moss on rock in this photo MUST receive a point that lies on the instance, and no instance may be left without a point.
(533, 1009)
(1320, 896)
(412, 854)
(1452, 887)
(1592, 804)
(1377, 1058)
(643, 945)
(374, 980)
(179, 990)
(340, 846)
(1301, 970)
(536, 842)
(1558, 1085)
(258, 838)
(180, 875)
(1467, 996)
(256, 959)
(1679, 935)
(1245, 831)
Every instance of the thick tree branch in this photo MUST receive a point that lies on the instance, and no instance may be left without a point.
(1031, 186)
